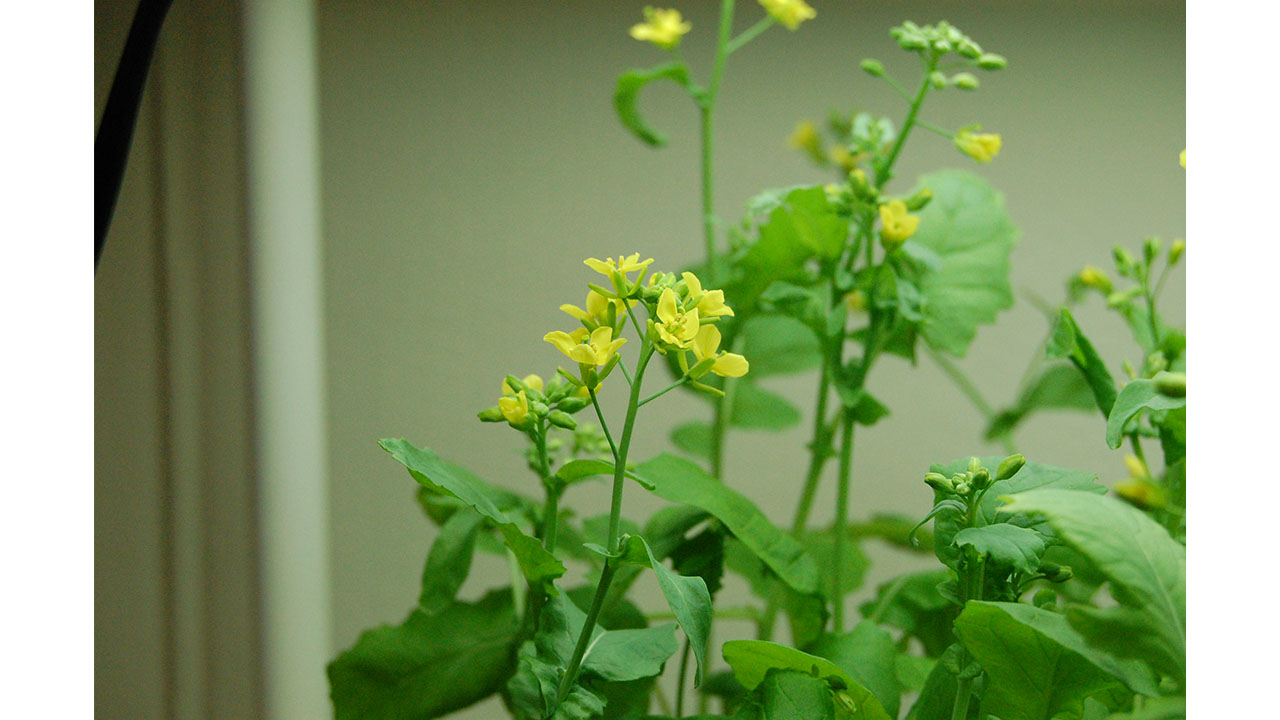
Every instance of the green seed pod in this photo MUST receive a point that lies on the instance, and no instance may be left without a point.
(562, 419)
(919, 200)
(965, 81)
(939, 482)
(573, 404)
(491, 414)
(937, 80)
(1010, 466)
(1171, 384)
(992, 61)
(873, 67)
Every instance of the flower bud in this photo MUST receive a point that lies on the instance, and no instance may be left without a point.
(702, 368)
(919, 200)
(963, 487)
(873, 67)
(1136, 468)
(969, 49)
(910, 41)
(1176, 250)
(573, 404)
(965, 81)
(860, 185)
(1124, 260)
(939, 482)
(1056, 573)
(992, 61)
(491, 414)
(1045, 599)
(937, 80)
(1095, 278)
(538, 408)
(982, 479)
(1150, 248)
(1141, 493)
(1155, 363)
(562, 419)
(1171, 384)
(1010, 466)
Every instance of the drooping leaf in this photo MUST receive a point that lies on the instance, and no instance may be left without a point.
(779, 345)
(1066, 341)
(628, 89)
(686, 596)
(752, 660)
(913, 671)
(967, 228)
(449, 561)
(1146, 569)
(755, 408)
(938, 697)
(1057, 386)
(429, 665)
(1137, 396)
(806, 612)
(1006, 545)
(534, 688)
(693, 437)
(615, 655)
(702, 555)
(870, 656)
(680, 481)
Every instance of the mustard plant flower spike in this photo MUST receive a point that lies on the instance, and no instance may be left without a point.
(663, 28)
(676, 327)
(706, 346)
(709, 303)
(789, 13)
(979, 146)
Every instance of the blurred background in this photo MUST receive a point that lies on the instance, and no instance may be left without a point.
(469, 159)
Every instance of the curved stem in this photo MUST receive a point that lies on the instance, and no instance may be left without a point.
(604, 426)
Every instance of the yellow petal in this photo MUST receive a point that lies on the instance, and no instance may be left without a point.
(534, 382)
(582, 354)
(576, 312)
(691, 280)
(562, 340)
(730, 365)
(712, 305)
(706, 342)
(600, 266)
(596, 304)
(667, 306)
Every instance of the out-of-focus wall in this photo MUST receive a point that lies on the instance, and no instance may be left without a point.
(472, 159)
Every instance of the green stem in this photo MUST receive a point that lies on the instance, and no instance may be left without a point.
(584, 639)
(684, 672)
(884, 167)
(935, 129)
(889, 596)
(842, 516)
(749, 34)
(820, 451)
(663, 703)
(665, 390)
(551, 509)
(604, 426)
(706, 104)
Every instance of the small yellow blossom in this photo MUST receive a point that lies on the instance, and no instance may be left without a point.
(532, 381)
(597, 308)
(514, 409)
(621, 266)
(789, 13)
(707, 345)
(805, 137)
(661, 27)
(598, 347)
(843, 159)
(677, 327)
(1182, 158)
(711, 304)
(896, 224)
(979, 146)
(1137, 469)
(1094, 277)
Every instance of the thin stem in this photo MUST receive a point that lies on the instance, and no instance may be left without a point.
(684, 672)
(570, 675)
(969, 390)
(890, 595)
(748, 35)
(897, 86)
(842, 516)
(883, 167)
(935, 129)
(820, 451)
(604, 426)
(550, 511)
(707, 104)
(665, 390)
(663, 703)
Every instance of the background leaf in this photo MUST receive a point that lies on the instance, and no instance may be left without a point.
(779, 345)
(1137, 396)
(869, 655)
(1057, 386)
(1066, 341)
(693, 437)
(449, 561)
(755, 408)
(752, 660)
(628, 89)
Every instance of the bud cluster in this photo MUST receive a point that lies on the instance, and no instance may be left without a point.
(976, 478)
(527, 401)
(933, 42)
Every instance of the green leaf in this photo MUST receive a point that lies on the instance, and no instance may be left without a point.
(680, 481)
(1164, 708)
(1137, 396)
(913, 671)
(428, 666)
(1146, 568)
(1031, 674)
(686, 596)
(866, 409)
(802, 227)
(1057, 386)
(758, 409)
(916, 606)
(806, 612)
(791, 695)
(539, 566)
(1066, 341)
(967, 228)
(808, 306)
(575, 470)
(629, 86)
(615, 655)
(702, 555)
(937, 697)
(1006, 545)
(752, 660)
(693, 437)
(821, 544)
(779, 345)
(449, 561)
(870, 656)
(534, 687)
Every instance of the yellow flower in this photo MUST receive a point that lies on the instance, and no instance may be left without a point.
(805, 137)
(598, 348)
(979, 146)
(661, 27)
(1182, 158)
(896, 224)
(514, 409)
(597, 308)
(621, 266)
(1094, 277)
(707, 344)
(677, 327)
(711, 303)
(789, 12)
(532, 381)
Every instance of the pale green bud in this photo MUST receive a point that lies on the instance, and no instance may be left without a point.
(1010, 466)
(939, 482)
(491, 414)
(919, 200)
(562, 419)
(1150, 248)
(1176, 250)
(937, 80)
(969, 49)
(965, 81)
(573, 404)
(873, 67)
(992, 61)
(982, 479)
(974, 465)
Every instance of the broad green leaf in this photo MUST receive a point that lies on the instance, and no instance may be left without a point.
(1146, 568)
(540, 567)
(821, 544)
(791, 695)
(680, 481)
(1006, 545)
(1057, 386)
(870, 656)
(615, 655)
(702, 555)
(967, 228)
(629, 86)
(752, 660)
(912, 602)
(1137, 396)
(693, 437)
(803, 226)
(1066, 341)
(534, 687)
(778, 345)
(807, 306)
(755, 408)
(686, 596)
(806, 612)
(449, 561)
(913, 671)
(428, 666)
(575, 470)
(938, 696)
(1031, 674)
(866, 409)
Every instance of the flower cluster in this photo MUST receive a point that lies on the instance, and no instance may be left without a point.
(527, 402)
(663, 28)
(789, 13)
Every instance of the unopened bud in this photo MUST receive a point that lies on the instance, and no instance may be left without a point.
(1141, 494)
(982, 479)
(1171, 384)
(1135, 467)
(873, 67)
(1124, 260)
(962, 487)
(911, 41)
(974, 465)
(562, 419)
(992, 61)
(573, 404)
(1095, 278)
(969, 49)
(1056, 573)
(538, 408)
(860, 185)
(919, 200)
(939, 482)
(965, 81)
(937, 80)
(1010, 466)
(1156, 362)
(1175, 251)
(492, 414)
(1150, 248)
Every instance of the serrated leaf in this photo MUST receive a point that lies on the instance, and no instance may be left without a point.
(755, 408)
(779, 345)
(752, 660)
(680, 481)
(429, 665)
(967, 228)
(1066, 341)
(449, 561)
(1137, 396)
(1146, 568)
(534, 687)
(1006, 545)
(628, 90)
(870, 656)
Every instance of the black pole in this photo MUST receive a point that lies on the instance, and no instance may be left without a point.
(115, 132)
